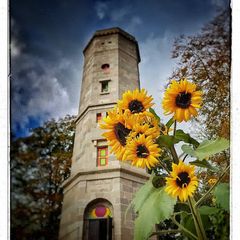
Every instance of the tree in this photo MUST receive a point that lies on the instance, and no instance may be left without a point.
(206, 59)
(39, 165)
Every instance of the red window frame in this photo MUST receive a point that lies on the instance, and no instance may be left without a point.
(99, 157)
(98, 117)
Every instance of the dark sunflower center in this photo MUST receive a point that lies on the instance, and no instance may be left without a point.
(138, 134)
(183, 179)
(163, 128)
(135, 106)
(142, 151)
(183, 100)
(121, 133)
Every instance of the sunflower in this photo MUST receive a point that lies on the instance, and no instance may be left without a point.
(142, 151)
(182, 181)
(164, 130)
(152, 123)
(143, 124)
(135, 102)
(182, 99)
(212, 181)
(143, 129)
(118, 132)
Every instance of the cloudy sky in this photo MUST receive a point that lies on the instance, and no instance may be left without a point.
(47, 39)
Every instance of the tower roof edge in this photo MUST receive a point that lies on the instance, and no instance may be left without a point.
(114, 30)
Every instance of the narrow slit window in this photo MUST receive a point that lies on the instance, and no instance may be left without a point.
(102, 156)
(104, 87)
(98, 117)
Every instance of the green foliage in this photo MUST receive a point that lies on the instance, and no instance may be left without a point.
(215, 222)
(221, 192)
(170, 122)
(142, 194)
(167, 141)
(151, 110)
(185, 137)
(211, 147)
(204, 164)
(39, 165)
(219, 225)
(156, 208)
(159, 181)
(188, 223)
(207, 148)
(188, 150)
(206, 210)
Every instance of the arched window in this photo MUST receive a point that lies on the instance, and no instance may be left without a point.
(98, 220)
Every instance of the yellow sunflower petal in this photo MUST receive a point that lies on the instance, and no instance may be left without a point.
(182, 99)
(182, 181)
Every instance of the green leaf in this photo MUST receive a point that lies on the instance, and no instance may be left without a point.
(151, 110)
(156, 208)
(206, 221)
(182, 136)
(204, 163)
(211, 147)
(221, 193)
(142, 194)
(188, 150)
(159, 181)
(206, 210)
(188, 223)
(170, 122)
(207, 148)
(167, 141)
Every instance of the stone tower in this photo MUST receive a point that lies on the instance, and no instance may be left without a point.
(100, 187)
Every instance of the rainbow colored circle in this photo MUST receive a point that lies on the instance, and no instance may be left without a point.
(100, 211)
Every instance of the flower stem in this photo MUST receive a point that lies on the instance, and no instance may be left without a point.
(164, 167)
(183, 229)
(175, 128)
(197, 220)
(185, 157)
(163, 232)
(174, 154)
(209, 191)
(172, 149)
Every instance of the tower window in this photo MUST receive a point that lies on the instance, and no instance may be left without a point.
(102, 156)
(98, 117)
(105, 67)
(104, 87)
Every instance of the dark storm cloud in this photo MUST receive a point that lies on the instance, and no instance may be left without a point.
(48, 38)
(42, 87)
